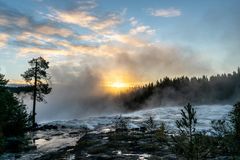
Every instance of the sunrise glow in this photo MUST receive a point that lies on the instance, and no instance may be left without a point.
(119, 85)
(119, 67)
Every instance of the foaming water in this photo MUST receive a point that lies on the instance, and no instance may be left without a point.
(168, 115)
(53, 140)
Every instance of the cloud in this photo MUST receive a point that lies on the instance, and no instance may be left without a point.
(86, 20)
(86, 97)
(4, 21)
(101, 25)
(28, 42)
(81, 18)
(86, 4)
(169, 12)
(66, 48)
(85, 76)
(29, 35)
(12, 18)
(3, 39)
(47, 52)
(94, 38)
(10, 22)
(142, 29)
(138, 28)
(133, 21)
(54, 31)
(128, 40)
(86, 51)
(162, 60)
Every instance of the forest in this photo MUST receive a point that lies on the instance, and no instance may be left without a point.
(218, 89)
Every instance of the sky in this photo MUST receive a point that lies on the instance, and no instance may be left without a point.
(98, 47)
(133, 41)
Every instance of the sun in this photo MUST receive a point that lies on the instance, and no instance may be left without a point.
(119, 84)
(117, 87)
(117, 81)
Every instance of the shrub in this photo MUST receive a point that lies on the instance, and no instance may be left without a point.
(235, 120)
(121, 124)
(221, 128)
(161, 132)
(150, 124)
(228, 132)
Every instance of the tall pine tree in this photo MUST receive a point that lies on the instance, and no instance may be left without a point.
(39, 79)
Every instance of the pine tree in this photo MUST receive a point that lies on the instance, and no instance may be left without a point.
(39, 79)
(186, 127)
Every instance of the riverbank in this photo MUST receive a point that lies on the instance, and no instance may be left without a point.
(126, 145)
(62, 137)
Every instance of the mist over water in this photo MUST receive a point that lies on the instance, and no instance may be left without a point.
(168, 115)
(78, 89)
(74, 96)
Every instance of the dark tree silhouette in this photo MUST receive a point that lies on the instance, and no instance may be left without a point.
(235, 119)
(39, 79)
(187, 123)
(13, 115)
(150, 124)
(189, 142)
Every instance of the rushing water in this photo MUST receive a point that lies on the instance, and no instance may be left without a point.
(53, 140)
(168, 115)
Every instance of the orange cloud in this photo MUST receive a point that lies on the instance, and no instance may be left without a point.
(34, 38)
(54, 31)
(81, 18)
(86, 20)
(42, 51)
(128, 40)
(3, 39)
(105, 24)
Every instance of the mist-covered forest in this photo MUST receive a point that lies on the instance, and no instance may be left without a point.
(218, 89)
(19, 130)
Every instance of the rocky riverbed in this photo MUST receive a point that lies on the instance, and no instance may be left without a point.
(125, 145)
(67, 139)
(117, 145)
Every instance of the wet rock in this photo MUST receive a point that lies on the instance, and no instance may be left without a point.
(13, 144)
(121, 130)
(73, 133)
(47, 127)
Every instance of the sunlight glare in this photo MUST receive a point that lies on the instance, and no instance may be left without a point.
(119, 85)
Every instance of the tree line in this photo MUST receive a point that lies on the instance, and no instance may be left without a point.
(219, 89)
